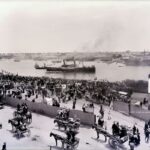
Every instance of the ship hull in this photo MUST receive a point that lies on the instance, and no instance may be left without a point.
(40, 67)
(77, 69)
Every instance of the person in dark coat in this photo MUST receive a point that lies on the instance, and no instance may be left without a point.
(115, 128)
(4, 146)
(134, 130)
(100, 122)
(131, 142)
(146, 132)
(18, 107)
(71, 135)
(74, 104)
(101, 111)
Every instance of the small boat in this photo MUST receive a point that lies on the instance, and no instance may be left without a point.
(16, 60)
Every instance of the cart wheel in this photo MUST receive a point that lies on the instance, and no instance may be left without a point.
(75, 147)
(113, 143)
(131, 146)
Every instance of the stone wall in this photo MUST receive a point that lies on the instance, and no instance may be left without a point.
(51, 111)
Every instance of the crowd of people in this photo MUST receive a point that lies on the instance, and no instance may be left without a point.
(64, 90)
(123, 132)
(102, 92)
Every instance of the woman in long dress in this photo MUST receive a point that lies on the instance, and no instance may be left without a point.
(110, 108)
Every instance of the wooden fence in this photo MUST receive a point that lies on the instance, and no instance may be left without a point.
(135, 111)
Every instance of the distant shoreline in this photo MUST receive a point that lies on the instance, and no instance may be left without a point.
(127, 58)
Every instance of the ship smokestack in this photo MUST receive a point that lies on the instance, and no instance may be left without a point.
(64, 62)
(74, 62)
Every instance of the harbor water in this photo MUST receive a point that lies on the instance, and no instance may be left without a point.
(104, 71)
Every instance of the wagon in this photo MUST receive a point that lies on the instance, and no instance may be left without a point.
(20, 131)
(67, 124)
(114, 141)
(66, 145)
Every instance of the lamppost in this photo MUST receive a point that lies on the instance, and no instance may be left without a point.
(148, 90)
(149, 84)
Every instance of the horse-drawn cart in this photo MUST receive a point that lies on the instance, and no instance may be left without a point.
(27, 117)
(75, 124)
(22, 118)
(17, 128)
(22, 130)
(113, 140)
(66, 144)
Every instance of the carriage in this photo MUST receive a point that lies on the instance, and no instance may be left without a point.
(22, 118)
(17, 128)
(114, 141)
(17, 113)
(66, 144)
(22, 129)
(63, 114)
(26, 116)
(75, 124)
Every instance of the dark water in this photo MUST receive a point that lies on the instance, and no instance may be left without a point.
(111, 72)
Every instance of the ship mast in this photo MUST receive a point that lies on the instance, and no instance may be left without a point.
(64, 62)
(74, 62)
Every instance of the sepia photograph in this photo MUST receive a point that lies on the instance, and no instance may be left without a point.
(74, 75)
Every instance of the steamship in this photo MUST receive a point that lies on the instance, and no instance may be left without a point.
(68, 68)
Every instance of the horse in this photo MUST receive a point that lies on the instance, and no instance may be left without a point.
(74, 125)
(61, 123)
(67, 124)
(28, 117)
(100, 130)
(14, 124)
(58, 137)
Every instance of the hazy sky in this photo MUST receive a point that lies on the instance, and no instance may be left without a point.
(74, 26)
